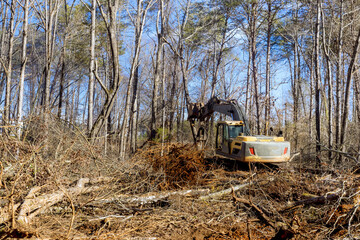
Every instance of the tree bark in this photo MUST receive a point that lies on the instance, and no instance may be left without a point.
(270, 19)
(4, 12)
(295, 90)
(23, 67)
(92, 67)
(157, 72)
(9, 66)
(344, 120)
(330, 85)
(338, 78)
(139, 27)
(248, 83)
(111, 93)
(63, 62)
(317, 82)
(51, 12)
(134, 112)
(172, 98)
(253, 41)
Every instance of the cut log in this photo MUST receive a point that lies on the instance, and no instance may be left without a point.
(233, 188)
(33, 205)
(151, 197)
(314, 200)
(224, 192)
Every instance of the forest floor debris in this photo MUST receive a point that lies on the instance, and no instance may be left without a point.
(173, 192)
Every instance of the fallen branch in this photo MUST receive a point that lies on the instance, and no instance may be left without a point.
(313, 200)
(345, 154)
(233, 188)
(251, 204)
(32, 205)
(124, 218)
(151, 197)
(224, 192)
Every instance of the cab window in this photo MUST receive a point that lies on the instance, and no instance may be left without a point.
(235, 130)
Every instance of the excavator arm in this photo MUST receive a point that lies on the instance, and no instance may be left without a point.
(202, 112)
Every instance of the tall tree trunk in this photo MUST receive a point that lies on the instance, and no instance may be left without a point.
(253, 40)
(9, 67)
(139, 27)
(163, 106)
(134, 112)
(357, 104)
(4, 12)
(248, 83)
(92, 67)
(157, 72)
(311, 67)
(268, 54)
(344, 120)
(357, 95)
(317, 82)
(172, 98)
(330, 86)
(296, 83)
(184, 65)
(23, 66)
(338, 78)
(51, 12)
(111, 94)
(63, 62)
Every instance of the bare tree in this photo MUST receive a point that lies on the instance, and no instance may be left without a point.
(157, 71)
(326, 50)
(92, 66)
(23, 65)
(350, 72)
(317, 80)
(339, 75)
(270, 18)
(253, 41)
(4, 13)
(111, 25)
(139, 23)
(63, 59)
(50, 22)
(8, 68)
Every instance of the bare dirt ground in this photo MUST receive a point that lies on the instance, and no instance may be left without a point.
(171, 192)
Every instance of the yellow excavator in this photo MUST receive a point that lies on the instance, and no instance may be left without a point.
(233, 138)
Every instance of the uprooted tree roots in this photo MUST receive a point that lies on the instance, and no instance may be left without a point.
(182, 165)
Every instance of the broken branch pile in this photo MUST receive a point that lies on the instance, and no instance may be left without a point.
(182, 165)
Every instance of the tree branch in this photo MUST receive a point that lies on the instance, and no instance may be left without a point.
(100, 82)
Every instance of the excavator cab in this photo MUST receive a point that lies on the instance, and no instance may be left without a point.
(226, 132)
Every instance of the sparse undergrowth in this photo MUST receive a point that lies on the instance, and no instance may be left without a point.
(71, 189)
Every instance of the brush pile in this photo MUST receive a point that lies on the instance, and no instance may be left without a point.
(181, 165)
